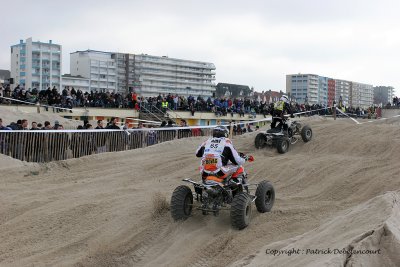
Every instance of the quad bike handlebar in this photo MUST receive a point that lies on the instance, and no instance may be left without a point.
(286, 116)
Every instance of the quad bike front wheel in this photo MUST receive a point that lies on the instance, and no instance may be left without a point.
(283, 145)
(241, 211)
(306, 133)
(265, 194)
(260, 141)
(181, 203)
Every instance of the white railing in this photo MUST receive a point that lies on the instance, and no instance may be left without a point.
(53, 145)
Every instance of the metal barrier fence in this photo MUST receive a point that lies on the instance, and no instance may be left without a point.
(53, 145)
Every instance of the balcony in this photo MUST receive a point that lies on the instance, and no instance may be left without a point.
(175, 81)
(172, 69)
(178, 75)
(173, 62)
(160, 85)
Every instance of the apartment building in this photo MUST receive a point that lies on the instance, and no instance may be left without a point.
(306, 88)
(331, 91)
(323, 90)
(76, 82)
(145, 74)
(383, 95)
(125, 72)
(155, 75)
(342, 91)
(361, 95)
(99, 67)
(36, 64)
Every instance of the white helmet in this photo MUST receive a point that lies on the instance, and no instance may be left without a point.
(284, 99)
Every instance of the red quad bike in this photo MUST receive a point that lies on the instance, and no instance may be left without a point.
(230, 193)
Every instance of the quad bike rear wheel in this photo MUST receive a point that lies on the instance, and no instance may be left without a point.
(260, 141)
(306, 133)
(241, 211)
(283, 145)
(265, 194)
(181, 203)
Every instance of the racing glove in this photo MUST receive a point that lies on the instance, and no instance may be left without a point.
(248, 158)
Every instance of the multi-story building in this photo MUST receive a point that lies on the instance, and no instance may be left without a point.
(305, 88)
(76, 82)
(342, 91)
(36, 64)
(383, 95)
(362, 95)
(125, 71)
(146, 75)
(99, 67)
(154, 75)
(331, 91)
(323, 90)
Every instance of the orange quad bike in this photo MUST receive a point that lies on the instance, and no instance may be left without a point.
(231, 193)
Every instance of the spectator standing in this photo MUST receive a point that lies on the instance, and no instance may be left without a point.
(184, 132)
(176, 98)
(56, 125)
(99, 125)
(2, 128)
(3, 139)
(1, 92)
(34, 126)
(24, 124)
(116, 140)
(100, 138)
(164, 105)
(47, 126)
(113, 124)
(134, 98)
(151, 137)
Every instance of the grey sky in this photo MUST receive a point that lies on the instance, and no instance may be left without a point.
(254, 43)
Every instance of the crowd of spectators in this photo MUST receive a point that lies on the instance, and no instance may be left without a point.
(43, 147)
(67, 99)
(70, 98)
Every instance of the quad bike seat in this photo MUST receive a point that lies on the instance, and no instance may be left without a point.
(275, 130)
(224, 178)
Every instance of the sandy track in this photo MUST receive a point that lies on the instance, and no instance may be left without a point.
(97, 210)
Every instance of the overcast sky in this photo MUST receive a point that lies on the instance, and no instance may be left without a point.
(253, 43)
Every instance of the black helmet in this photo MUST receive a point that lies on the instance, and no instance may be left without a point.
(220, 131)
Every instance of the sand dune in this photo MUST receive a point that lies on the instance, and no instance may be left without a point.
(365, 235)
(98, 210)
